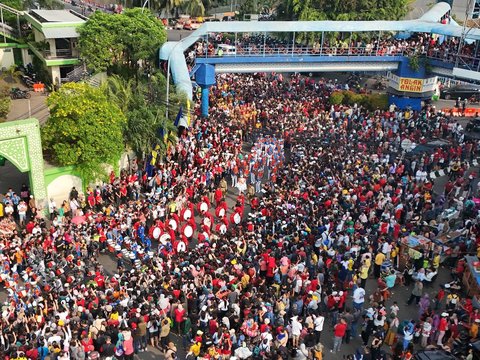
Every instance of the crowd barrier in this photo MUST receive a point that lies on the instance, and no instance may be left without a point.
(469, 112)
(39, 87)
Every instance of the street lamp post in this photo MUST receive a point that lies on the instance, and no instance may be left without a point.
(144, 4)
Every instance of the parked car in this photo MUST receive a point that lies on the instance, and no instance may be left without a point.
(179, 25)
(433, 355)
(192, 25)
(460, 91)
(472, 130)
(182, 20)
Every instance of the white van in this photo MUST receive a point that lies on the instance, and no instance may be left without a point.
(226, 50)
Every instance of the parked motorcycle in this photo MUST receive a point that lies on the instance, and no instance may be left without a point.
(17, 93)
(474, 100)
(27, 81)
(379, 85)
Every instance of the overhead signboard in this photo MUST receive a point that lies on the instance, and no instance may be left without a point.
(404, 84)
(410, 85)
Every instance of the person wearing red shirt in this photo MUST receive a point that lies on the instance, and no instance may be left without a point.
(338, 332)
(442, 327)
(179, 317)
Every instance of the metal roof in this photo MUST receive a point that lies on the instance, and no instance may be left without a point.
(46, 16)
(60, 33)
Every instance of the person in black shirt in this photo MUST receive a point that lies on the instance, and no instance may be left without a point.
(107, 349)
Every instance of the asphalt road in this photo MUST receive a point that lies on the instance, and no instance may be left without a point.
(418, 8)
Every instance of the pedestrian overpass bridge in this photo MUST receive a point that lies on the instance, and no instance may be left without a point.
(298, 58)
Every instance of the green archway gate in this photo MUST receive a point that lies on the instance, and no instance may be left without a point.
(21, 144)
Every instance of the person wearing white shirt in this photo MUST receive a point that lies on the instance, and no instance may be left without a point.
(318, 327)
(358, 298)
(52, 207)
(296, 328)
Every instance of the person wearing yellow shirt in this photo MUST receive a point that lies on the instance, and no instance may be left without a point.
(474, 329)
(364, 274)
(195, 349)
(172, 207)
(379, 259)
(436, 261)
(245, 279)
(350, 264)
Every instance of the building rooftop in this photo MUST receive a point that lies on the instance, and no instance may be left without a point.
(56, 16)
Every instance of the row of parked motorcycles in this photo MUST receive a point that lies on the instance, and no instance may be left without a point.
(28, 78)
(28, 75)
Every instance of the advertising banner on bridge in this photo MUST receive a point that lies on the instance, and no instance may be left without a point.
(404, 84)
(410, 85)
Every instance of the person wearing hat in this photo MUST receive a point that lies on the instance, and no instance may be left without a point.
(442, 328)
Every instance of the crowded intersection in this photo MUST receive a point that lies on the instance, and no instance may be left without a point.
(280, 227)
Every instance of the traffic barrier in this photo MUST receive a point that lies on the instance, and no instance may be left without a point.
(469, 112)
(39, 87)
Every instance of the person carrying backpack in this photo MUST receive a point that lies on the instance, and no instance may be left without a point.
(171, 353)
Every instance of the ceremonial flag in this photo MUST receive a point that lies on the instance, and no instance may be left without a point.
(179, 116)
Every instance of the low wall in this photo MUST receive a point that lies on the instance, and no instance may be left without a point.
(6, 58)
(59, 182)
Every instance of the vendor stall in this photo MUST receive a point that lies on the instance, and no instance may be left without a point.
(471, 276)
(447, 241)
(412, 247)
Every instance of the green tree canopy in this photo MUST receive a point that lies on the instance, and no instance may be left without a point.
(122, 40)
(84, 129)
(311, 10)
(144, 107)
(343, 9)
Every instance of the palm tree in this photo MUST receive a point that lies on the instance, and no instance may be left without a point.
(166, 131)
(120, 91)
(194, 8)
(170, 6)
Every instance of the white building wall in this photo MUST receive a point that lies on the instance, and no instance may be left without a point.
(59, 189)
(6, 58)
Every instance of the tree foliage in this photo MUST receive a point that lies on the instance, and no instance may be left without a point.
(85, 130)
(345, 9)
(369, 101)
(127, 39)
(190, 7)
(143, 104)
(311, 10)
(4, 102)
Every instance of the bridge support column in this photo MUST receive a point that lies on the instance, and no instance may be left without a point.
(205, 102)
(205, 77)
(410, 85)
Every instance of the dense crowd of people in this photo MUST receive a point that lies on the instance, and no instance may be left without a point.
(257, 236)
(430, 45)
